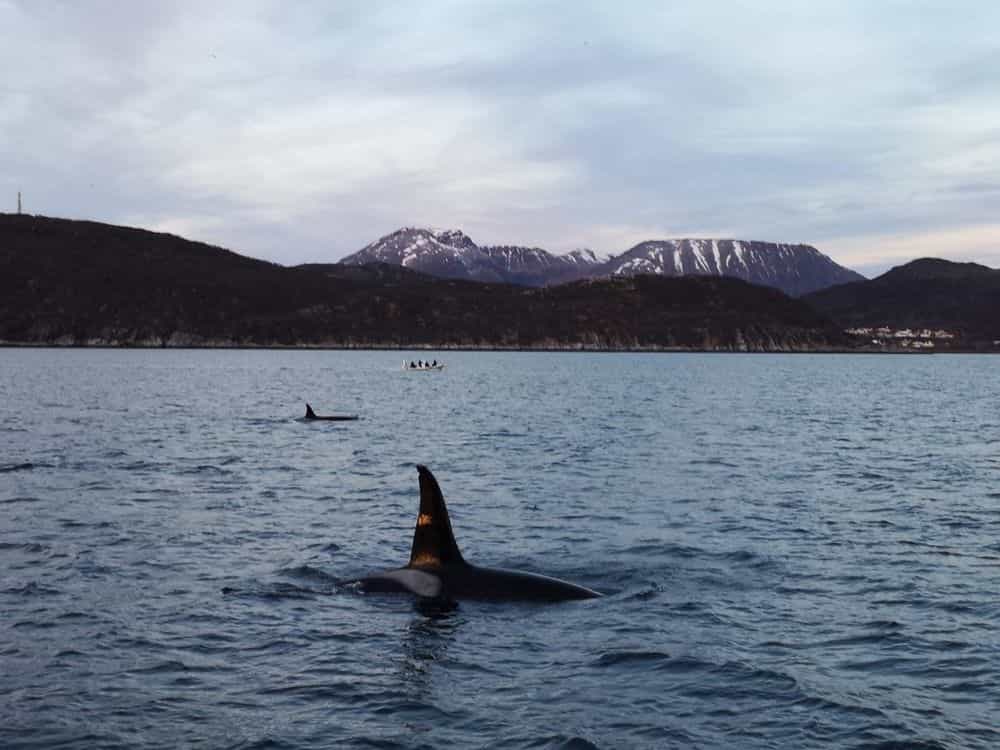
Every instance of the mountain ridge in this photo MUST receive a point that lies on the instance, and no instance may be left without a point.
(796, 269)
(451, 254)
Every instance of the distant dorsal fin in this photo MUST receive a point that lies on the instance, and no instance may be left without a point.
(433, 541)
(310, 414)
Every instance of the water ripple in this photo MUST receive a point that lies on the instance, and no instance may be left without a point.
(797, 551)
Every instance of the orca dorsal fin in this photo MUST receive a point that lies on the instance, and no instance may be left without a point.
(310, 414)
(433, 541)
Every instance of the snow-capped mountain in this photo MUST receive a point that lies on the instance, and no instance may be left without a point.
(533, 266)
(795, 269)
(450, 253)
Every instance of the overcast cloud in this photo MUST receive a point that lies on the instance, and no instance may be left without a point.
(302, 131)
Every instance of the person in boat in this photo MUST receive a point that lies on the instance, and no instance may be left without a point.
(434, 363)
(420, 364)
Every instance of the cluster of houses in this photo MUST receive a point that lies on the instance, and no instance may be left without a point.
(907, 338)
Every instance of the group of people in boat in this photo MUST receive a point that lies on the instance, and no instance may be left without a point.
(420, 364)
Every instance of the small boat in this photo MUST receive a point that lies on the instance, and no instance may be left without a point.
(409, 366)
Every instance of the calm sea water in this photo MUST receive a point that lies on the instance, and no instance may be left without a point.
(797, 551)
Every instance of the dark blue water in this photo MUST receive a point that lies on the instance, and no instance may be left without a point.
(797, 551)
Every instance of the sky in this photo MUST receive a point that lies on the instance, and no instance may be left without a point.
(303, 131)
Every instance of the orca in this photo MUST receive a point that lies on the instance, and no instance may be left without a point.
(437, 569)
(310, 414)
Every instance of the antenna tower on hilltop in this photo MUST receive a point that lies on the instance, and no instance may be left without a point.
(18, 202)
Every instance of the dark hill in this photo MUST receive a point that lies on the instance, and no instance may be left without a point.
(378, 273)
(697, 312)
(83, 283)
(925, 293)
(936, 269)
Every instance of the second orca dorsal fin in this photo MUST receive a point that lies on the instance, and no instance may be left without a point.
(433, 541)
(310, 414)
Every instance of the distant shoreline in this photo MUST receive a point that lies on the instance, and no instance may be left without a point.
(454, 348)
(88, 285)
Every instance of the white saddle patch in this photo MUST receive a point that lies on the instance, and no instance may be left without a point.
(419, 582)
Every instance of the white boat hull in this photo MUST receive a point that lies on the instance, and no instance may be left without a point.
(426, 368)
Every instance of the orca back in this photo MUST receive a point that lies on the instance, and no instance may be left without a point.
(438, 570)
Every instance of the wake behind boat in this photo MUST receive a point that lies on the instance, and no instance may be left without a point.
(420, 366)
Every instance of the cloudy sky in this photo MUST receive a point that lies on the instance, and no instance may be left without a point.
(302, 131)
